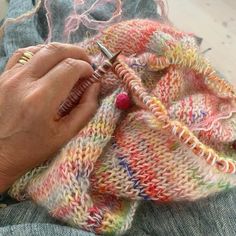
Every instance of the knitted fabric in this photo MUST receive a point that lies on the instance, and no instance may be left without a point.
(176, 143)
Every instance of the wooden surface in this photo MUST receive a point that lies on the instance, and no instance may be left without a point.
(214, 20)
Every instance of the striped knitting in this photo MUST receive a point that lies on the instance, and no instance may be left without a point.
(176, 142)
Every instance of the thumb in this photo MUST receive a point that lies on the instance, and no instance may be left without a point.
(84, 111)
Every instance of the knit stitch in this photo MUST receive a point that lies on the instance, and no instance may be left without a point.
(175, 143)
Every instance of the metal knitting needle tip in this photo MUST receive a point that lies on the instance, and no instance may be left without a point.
(104, 50)
(112, 57)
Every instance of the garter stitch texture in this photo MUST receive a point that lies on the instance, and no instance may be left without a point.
(175, 144)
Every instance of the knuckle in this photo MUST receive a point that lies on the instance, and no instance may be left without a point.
(70, 62)
(8, 85)
(33, 99)
(4, 85)
(87, 66)
(54, 46)
(18, 52)
(28, 106)
(77, 66)
(82, 51)
(85, 69)
(28, 103)
(36, 93)
(36, 47)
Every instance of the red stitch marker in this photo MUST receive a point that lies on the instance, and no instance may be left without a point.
(123, 101)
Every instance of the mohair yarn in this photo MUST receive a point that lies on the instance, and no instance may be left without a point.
(121, 157)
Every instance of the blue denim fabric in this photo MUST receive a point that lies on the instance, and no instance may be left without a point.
(213, 216)
(34, 30)
(41, 230)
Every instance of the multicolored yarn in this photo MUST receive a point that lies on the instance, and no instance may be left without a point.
(177, 142)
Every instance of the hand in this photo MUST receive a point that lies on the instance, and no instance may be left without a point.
(30, 96)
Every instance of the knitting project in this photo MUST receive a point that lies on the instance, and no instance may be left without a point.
(176, 142)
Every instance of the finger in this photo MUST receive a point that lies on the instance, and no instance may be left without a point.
(91, 94)
(51, 55)
(13, 61)
(61, 79)
(82, 114)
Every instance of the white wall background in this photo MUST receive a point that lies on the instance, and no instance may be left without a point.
(215, 21)
(3, 7)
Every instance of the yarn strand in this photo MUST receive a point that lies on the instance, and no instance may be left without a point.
(19, 19)
(130, 80)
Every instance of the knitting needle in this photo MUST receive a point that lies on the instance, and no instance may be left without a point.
(76, 93)
(104, 50)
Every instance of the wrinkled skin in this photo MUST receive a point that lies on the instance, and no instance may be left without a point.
(30, 95)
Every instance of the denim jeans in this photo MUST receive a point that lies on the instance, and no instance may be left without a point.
(213, 216)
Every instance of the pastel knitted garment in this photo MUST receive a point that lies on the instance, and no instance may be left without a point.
(175, 143)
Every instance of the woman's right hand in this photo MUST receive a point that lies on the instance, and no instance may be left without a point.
(30, 96)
